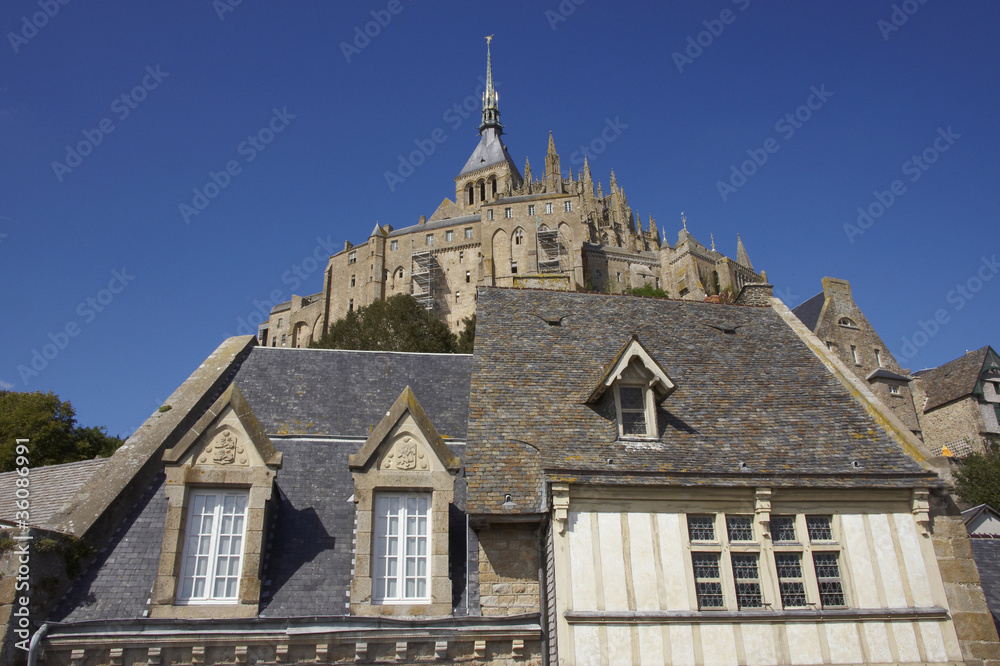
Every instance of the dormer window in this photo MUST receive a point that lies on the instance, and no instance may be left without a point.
(638, 384)
(847, 322)
(635, 409)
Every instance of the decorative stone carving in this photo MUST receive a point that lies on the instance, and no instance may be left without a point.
(405, 455)
(225, 449)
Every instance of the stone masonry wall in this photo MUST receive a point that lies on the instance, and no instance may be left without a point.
(952, 422)
(508, 570)
(977, 633)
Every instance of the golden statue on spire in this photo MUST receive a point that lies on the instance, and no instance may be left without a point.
(489, 38)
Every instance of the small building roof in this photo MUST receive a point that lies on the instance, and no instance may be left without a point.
(757, 396)
(52, 487)
(953, 380)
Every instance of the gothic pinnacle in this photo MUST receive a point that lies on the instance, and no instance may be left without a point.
(491, 109)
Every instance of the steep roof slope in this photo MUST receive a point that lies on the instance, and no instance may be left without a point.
(808, 312)
(953, 380)
(52, 487)
(336, 393)
(757, 396)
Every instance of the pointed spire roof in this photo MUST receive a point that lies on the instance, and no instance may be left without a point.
(741, 253)
(552, 144)
(491, 108)
(490, 150)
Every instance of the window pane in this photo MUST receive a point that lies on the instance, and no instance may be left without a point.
(783, 528)
(831, 592)
(739, 528)
(631, 397)
(701, 528)
(747, 581)
(633, 423)
(789, 567)
(819, 528)
(707, 581)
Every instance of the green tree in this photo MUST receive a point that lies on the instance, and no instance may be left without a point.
(398, 323)
(467, 336)
(50, 426)
(647, 290)
(977, 479)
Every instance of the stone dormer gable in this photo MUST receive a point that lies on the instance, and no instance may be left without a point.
(634, 364)
(405, 439)
(219, 483)
(227, 434)
(638, 383)
(404, 483)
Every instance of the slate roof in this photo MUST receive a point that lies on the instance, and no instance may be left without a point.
(490, 151)
(51, 488)
(436, 224)
(808, 311)
(309, 549)
(882, 373)
(953, 380)
(335, 393)
(759, 396)
(986, 552)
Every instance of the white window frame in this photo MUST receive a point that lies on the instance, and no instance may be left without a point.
(468, 232)
(449, 235)
(429, 240)
(878, 358)
(649, 412)
(382, 579)
(394, 245)
(206, 543)
(893, 389)
(568, 206)
(508, 213)
(531, 209)
(489, 215)
(352, 256)
(548, 209)
(854, 355)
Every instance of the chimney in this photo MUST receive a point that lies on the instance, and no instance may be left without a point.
(756, 293)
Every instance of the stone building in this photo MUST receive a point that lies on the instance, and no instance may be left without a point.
(959, 402)
(503, 228)
(837, 320)
(954, 408)
(608, 479)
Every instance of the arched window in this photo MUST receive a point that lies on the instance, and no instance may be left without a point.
(468, 191)
(482, 190)
(518, 236)
(847, 322)
(493, 182)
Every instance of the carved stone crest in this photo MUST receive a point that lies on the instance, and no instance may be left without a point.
(225, 450)
(405, 455)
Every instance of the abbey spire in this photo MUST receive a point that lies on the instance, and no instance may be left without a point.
(491, 110)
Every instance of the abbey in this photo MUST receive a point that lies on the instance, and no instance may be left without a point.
(506, 228)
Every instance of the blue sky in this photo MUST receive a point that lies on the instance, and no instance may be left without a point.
(113, 114)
